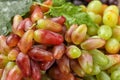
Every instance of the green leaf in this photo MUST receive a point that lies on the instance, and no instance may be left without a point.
(72, 13)
(9, 8)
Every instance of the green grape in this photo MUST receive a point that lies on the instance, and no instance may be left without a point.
(110, 18)
(95, 6)
(95, 17)
(112, 46)
(92, 15)
(103, 76)
(73, 52)
(99, 57)
(92, 30)
(105, 32)
(112, 8)
(115, 75)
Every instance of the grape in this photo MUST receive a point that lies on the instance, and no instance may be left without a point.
(12, 40)
(77, 68)
(115, 75)
(36, 75)
(92, 43)
(103, 76)
(112, 46)
(78, 35)
(99, 57)
(16, 21)
(64, 65)
(86, 62)
(95, 6)
(26, 41)
(52, 26)
(105, 32)
(47, 37)
(110, 18)
(36, 14)
(58, 51)
(112, 8)
(69, 33)
(38, 54)
(73, 52)
(23, 63)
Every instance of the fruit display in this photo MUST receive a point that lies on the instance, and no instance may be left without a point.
(55, 41)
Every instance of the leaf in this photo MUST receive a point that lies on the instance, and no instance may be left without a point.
(72, 13)
(9, 8)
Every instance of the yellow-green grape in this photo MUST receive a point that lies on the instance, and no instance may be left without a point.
(112, 8)
(114, 68)
(95, 17)
(99, 57)
(96, 69)
(86, 62)
(113, 59)
(89, 78)
(95, 6)
(115, 75)
(103, 76)
(112, 46)
(105, 32)
(73, 52)
(110, 18)
(116, 32)
(92, 30)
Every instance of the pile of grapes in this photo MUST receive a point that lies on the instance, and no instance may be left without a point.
(42, 48)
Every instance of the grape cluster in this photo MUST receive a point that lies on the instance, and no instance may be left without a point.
(43, 48)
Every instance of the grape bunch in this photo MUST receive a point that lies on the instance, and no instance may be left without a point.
(43, 48)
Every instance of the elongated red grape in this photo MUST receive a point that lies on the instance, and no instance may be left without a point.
(23, 63)
(47, 37)
(26, 41)
(16, 21)
(64, 65)
(39, 54)
(37, 14)
(12, 40)
(36, 75)
(58, 51)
